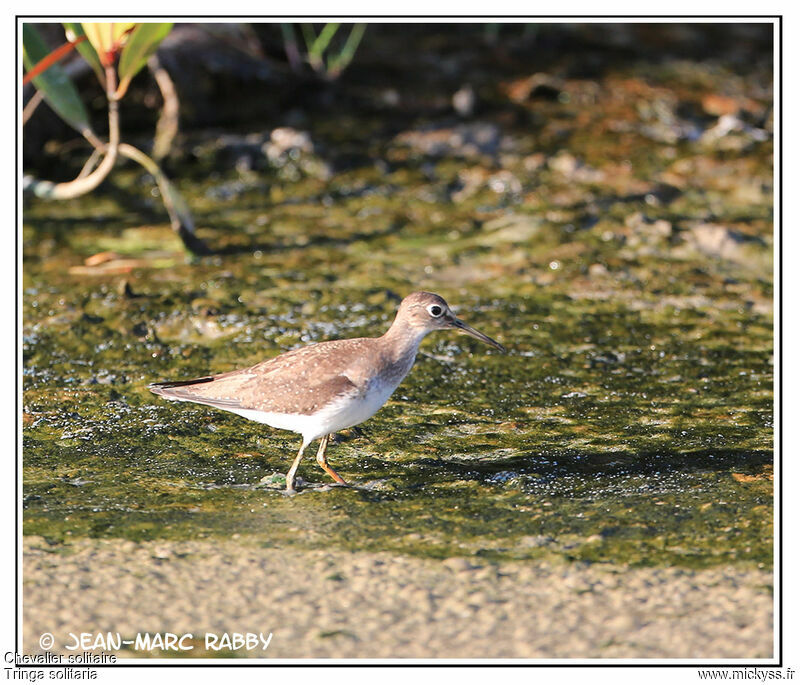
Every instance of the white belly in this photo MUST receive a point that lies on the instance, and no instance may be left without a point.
(341, 414)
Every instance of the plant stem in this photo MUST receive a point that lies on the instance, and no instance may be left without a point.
(84, 184)
(179, 216)
(339, 63)
(290, 47)
(90, 177)
(310, 37)
(167, 126)
(31, 106)
(322, 41)
(91, 163)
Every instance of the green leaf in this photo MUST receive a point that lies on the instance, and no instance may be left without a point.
(324, 39)
(73, 31)
(338, 64)
(142, 43)
(54, 84)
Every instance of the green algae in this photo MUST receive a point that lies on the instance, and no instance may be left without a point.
(631, 421)
(606, 434)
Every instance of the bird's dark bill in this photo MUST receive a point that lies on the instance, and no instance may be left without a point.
(457, 323)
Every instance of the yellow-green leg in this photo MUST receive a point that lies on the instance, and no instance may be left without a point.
(322, 460)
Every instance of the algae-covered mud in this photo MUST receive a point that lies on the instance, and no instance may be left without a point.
(610, 224)
(656, 449)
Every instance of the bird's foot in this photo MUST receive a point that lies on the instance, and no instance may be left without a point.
(278, 482)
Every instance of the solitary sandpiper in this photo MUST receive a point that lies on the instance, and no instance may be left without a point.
(326, 387)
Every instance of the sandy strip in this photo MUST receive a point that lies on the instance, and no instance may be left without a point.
(338, 604)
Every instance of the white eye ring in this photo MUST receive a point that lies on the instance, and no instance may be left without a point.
(435, 310)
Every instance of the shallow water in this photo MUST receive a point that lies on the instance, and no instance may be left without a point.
(630, 422)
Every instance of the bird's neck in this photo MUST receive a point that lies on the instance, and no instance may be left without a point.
(401, 342)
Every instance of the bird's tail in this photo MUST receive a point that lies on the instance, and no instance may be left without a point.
(163, 389)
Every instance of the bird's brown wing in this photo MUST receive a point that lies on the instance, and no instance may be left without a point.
(298, 382)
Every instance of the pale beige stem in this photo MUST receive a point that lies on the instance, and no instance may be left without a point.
(167, 125)
(91, 163)
(179, 215)
(84, 184)
(30, 108)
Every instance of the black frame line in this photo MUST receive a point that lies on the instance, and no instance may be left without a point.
(521, 663)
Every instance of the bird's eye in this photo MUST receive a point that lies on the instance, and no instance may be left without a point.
(435, 310)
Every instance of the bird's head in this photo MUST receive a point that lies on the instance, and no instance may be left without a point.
(429, 312)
